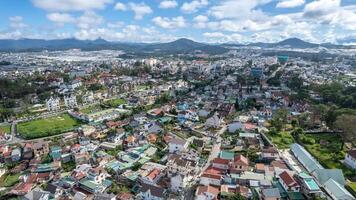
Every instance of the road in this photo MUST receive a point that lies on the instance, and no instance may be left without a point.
(215, 149)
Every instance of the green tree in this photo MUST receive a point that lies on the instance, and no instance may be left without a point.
(346, 123)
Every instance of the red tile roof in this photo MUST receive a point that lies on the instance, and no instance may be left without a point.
(288, 179)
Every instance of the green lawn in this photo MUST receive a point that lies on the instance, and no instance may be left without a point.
(9, 180)
(115, 102)
(47, 127)
(353, 185)
(283, 140)
(329, 154)
(5, 128)
(91, 109)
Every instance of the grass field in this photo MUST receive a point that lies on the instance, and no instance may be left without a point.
(283, 140)
(91, 109)
(9, 180)
(328, 154)
(47, 127)
(115, 102)
(5, 128)
(353, 186)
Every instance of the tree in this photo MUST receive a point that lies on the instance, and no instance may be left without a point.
(346, 123)
(279, 119)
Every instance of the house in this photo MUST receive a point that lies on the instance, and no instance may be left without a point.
(288, 182)
(270, 194)
(151, 192)
(221, 163)
(52, 104)
(337, 191)
(27, 151)
(40, 148)
(153, 176)
(240, 164)
(350, 159)
(176, 145)
(104, 196)
(180, 182)
(269, 154)
(207, 193)
(70, 101)
(212, 176)
(16, 155)
(235, 126)
(214, 121)
(308, 185)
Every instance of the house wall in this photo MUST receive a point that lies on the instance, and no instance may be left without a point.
(350, 161)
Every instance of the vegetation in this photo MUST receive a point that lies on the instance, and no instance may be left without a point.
(282, 139)
(115, 102)
(9, 180)
(47, 127)
(5, 128)
(69, 166)
(326, 148)
(115, 151)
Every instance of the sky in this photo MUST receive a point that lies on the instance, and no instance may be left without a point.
(213, 21)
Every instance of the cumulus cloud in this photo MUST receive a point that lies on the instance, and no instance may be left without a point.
(290, 3)
(168, 4)
(194, 6)
(221, 37)
(169, 23)
(89, 20)
(120, 6)
(140, 10)
(16, 22)
(71, 5)
(61, 18)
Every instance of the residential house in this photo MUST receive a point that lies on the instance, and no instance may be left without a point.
(214, 121)
(177, 145)
(288, 182)
(52, 104)
(350, 159)
(40, 148)
(270, 194)
(240, 164)
(151, 192)
(70, 101)
(269, 153)
(207, 193)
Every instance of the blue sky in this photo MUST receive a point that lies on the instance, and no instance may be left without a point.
(239, 21)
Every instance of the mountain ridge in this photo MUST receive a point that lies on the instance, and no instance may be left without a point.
(182, 45)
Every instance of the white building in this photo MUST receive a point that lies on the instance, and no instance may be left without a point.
(213, 122)
(350, 159)
(177, 145)
(88, 98)
(70, 101)
(75, 84)
(52, 104)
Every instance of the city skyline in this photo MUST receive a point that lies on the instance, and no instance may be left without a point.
(161, 21)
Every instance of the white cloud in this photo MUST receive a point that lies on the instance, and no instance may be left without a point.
(71, 5)
(200, 21)
(89, 20)
(120, 6)
(221, 37)
(168, 4)
(290, 3)
(165, 22)
(16, 22)
(61, 18)
(140, 10)
(236, 9)
(321, 8)
(194, 6)
(130, 33)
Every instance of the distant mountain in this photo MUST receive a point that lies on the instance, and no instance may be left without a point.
(180, 46)
(289, 43)
(184, 46)
(175, 47)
